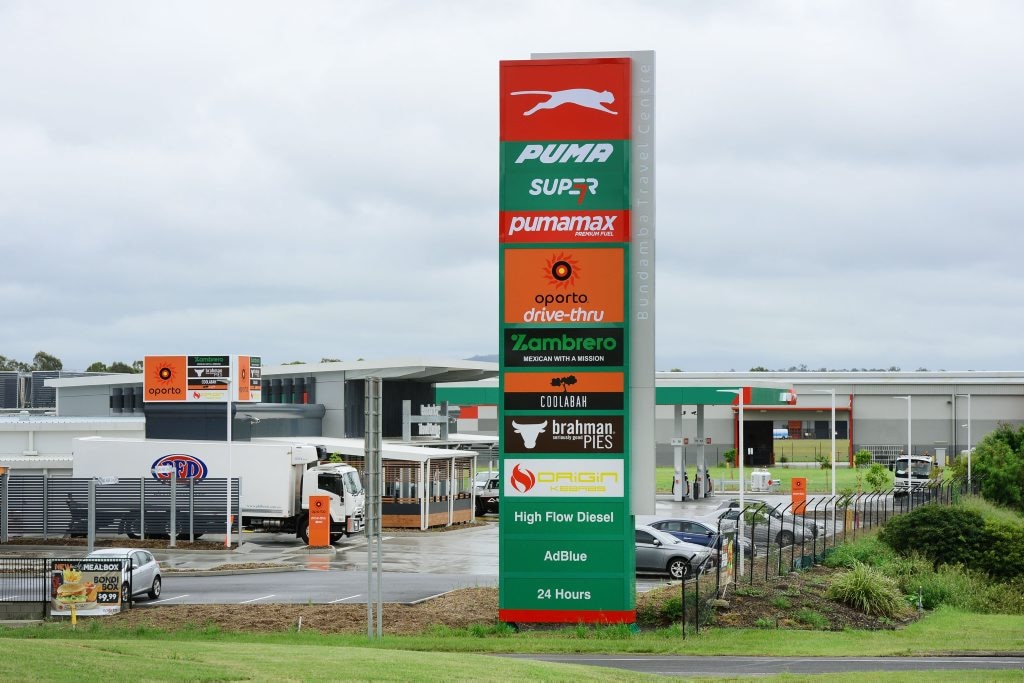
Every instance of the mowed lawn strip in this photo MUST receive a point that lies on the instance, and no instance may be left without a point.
(155, 660)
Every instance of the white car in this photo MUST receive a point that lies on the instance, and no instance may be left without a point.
(140, 571)
(482, 476)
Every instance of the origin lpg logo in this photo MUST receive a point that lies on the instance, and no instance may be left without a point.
(522, 479)
(563, 477)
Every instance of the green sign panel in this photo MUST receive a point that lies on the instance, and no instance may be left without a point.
(570, 176)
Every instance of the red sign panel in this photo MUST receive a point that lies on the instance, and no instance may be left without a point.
(565, 99)
(584, 227)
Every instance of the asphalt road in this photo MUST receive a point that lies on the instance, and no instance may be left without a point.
(307, 586)
(763, 666)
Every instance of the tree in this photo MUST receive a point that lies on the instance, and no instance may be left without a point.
(998, 461)
(118, 366)
(330, 360)
(98, 366)
(11, 364)
(44, 361)
(759, 368)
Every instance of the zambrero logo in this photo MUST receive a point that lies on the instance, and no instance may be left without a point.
(186, 467)
(522, 479)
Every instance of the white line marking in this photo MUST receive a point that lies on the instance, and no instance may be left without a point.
(244, 602)
(176, 597)
(343, 599)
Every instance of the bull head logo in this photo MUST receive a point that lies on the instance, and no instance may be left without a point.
(530, 432)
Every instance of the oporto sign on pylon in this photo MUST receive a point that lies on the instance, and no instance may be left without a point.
(566, 550)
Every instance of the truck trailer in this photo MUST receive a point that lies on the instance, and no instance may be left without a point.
(276, 479)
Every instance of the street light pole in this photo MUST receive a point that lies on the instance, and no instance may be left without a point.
(739, 520)
(833, 433)
(910, 441)
(227, 518)
(968, 425)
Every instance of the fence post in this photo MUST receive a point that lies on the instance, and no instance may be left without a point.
(142, 508)
(173, 521)
(683, 604)
(192, 510)
(3, 507)
(46, 505)
(92, 514)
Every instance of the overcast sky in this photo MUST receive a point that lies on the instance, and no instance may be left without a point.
(841, 184)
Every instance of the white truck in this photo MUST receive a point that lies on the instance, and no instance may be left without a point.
(919, 475)
(276, 478)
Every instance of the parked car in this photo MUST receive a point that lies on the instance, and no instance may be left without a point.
(768, 523)
(487, 496)
(702, 530)
(140, 571)
(661, 552)
(482, 476)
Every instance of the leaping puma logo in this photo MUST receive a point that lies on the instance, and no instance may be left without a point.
(583, 97)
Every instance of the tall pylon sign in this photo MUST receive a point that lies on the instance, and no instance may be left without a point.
(566, 548)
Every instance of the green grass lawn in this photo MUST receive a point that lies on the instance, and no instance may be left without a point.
(93, 652)
(818, 480)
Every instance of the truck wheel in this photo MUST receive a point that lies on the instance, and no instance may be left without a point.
(302, 528)
(336, 537)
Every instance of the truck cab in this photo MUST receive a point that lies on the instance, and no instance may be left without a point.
(920, 472)
(341, 484)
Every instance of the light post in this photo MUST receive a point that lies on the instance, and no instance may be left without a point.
(832, 430)
(227, 518)
(968, 425)
(910, 441)
(739, 445)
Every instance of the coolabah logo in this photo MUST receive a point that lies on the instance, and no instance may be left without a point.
(580, 97)
(574, 223)
(567, 152)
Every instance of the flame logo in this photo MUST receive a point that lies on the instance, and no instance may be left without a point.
(522, 479)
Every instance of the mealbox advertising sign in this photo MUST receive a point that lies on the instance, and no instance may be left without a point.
(89, 588)
(566, 536)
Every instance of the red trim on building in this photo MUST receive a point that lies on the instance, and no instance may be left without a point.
(584, 616)
(469, 412)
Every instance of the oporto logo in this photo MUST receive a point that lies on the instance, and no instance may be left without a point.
(522, 479)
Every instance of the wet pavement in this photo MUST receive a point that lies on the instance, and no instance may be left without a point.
(470, 550)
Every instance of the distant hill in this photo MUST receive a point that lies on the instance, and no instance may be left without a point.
(489, 358)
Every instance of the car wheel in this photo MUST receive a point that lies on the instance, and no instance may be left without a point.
(678, 568)
(784, 538)
(126, 594)
(154, 590)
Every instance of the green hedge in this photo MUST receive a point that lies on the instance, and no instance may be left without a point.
(957, 535)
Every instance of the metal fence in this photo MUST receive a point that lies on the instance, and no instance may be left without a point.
(772, 541)
(55, 507)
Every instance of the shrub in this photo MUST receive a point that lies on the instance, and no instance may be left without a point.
(809, 617)
(1000, 550)
(940, 533)
(869, 591)
(869, 551)
(862, 458)
(878, 477)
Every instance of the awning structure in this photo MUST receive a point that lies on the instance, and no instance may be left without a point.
(422, 487)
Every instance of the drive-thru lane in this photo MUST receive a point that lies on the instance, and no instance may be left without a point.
(304, 587)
